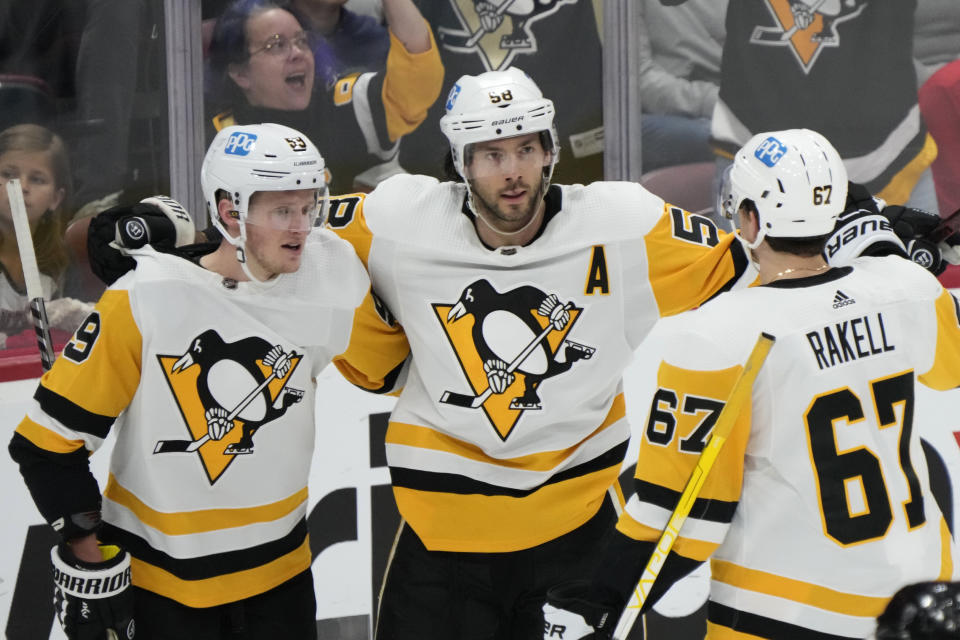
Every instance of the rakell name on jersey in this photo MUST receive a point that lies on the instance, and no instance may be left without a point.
(849, 340)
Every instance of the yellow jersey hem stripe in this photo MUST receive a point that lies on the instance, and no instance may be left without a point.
(425, 438)
(190, 522)
(797, 590)
(231, 587)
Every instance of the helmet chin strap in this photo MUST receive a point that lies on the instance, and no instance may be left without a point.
(239, 243)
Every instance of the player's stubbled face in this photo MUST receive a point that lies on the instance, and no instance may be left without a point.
(506, 177)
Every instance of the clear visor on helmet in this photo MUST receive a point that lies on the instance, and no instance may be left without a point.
(300, 210)
(725, 204)
(523, 155)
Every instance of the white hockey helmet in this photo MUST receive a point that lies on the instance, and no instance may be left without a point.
(796, 180)
(495, 105)
(243, 160)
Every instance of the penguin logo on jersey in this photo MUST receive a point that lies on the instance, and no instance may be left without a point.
(507, 344)
(226, 392)
(806, 26)
(496, 30)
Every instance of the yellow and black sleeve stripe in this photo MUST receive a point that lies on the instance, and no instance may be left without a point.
(690, 260)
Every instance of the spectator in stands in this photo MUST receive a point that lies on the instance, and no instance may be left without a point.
(38, 158)
(680, 49)
(263, 70)
(842, 68)
(359, 42)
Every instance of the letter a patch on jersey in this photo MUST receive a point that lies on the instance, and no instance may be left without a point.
(229, 389)
(507, 344)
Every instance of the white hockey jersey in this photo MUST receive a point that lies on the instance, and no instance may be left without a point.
(168, 346)
(819, 507)
(511, 425)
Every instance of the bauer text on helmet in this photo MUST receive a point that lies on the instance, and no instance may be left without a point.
(496, 105)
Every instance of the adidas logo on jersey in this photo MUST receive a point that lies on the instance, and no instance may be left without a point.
(840, 299)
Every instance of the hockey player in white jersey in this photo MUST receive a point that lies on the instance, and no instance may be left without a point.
(205, 370)
(819, 507)
(522, 302)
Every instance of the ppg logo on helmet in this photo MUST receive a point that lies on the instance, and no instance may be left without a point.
(452, 96)
(240, 143)
(770, 151)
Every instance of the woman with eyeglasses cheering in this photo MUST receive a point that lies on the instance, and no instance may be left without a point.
(265, 66)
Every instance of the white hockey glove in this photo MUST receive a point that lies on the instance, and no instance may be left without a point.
(558, 314)
(861, 233)
(144, 226)
(568, 614)
(497, 375)
(217, 423)
(159, 221)
(279, 360)
(93, 601)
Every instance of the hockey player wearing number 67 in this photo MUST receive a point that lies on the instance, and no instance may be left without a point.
(823, 460)
(205, 370)
(522, 302)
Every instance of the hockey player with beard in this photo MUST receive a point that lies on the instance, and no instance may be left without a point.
(522, 302)
(823, 460)
(500, 495)
(222, 349)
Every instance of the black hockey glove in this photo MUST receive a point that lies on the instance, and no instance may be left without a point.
(923, 611)
(572, 612)
(93, 601)
(159, 221)
(931, 241)
(862, 230)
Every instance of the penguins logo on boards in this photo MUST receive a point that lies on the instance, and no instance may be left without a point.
(496, 30)
(226, 392)
(806, 26)
(507, 344)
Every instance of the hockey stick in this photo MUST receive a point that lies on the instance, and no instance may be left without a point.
(947, 227)
(31, 273)
(189, 446)
(463, 400)
(740, 394)
(474, 37)
(764, 34)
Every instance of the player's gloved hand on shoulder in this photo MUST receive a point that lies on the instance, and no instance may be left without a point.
(93, 601)
(159, 221)
(573, 612)
(931, 241)
(922, 611)
(862, 230)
